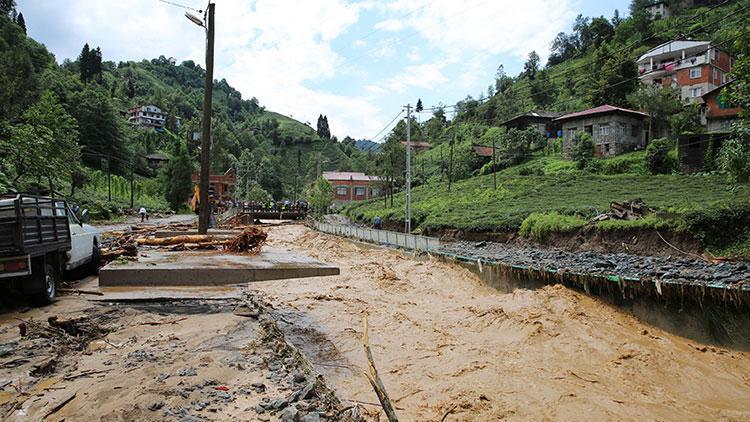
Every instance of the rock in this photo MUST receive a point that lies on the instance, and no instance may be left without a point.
(311, 417)
(298, 377)
(259, 409)
(155, 406)
(279, 404)
(7, 349)
(187, 372)
(308, 392)
(259, 387)
(290, 414)
(162, 377)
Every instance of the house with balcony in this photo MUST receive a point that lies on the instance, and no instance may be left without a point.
(717, 115)
(614, 130)
(659, 10)
(693, 67)
(147, 116)
(352, 186)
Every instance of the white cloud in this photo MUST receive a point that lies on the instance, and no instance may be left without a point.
(392, 25)
(422, 76)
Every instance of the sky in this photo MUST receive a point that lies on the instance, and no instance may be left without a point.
(359, 62)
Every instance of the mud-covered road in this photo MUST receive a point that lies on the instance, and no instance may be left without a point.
(446, 344)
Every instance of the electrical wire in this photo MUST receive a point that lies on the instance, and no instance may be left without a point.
(171, 3)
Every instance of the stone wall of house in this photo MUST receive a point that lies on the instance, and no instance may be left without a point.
(613, 134)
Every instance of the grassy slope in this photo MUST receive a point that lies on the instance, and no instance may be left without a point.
(472, 204)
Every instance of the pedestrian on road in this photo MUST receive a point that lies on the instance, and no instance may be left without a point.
(144, 215)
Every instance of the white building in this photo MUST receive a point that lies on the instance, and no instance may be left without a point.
(147, 116)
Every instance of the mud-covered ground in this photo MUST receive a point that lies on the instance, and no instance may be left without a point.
(449, 347)
(687, 269)
(180, 361)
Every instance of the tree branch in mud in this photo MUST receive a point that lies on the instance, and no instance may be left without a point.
(374, 378)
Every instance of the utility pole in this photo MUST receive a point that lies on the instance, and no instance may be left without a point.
(408, 168)
(205, 208)
(494, 171)
(132, 186)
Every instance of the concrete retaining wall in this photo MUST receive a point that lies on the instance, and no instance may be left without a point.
(381, 237)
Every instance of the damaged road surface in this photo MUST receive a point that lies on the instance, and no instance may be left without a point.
(449, 347)
(178, 360)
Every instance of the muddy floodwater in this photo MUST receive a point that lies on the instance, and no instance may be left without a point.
(448, 346)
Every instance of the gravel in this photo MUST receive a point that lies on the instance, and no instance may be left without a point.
(671, 269)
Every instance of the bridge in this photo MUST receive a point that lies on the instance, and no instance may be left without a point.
(247, 214)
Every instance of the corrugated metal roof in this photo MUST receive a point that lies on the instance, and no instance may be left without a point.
(673, 47)
(535, 113)
(349, 175)
(482, 150)
(600, 110)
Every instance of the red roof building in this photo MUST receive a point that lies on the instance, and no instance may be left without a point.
(418, 146)
(352, 186)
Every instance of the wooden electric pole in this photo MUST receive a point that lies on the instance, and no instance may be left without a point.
(205, 207)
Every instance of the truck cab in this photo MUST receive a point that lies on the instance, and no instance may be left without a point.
(40, 237)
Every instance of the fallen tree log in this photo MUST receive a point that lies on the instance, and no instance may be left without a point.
(175, 240)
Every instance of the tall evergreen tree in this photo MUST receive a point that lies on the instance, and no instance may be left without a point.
(84, 63)
(531, 66)
(7, 6)
(20, 21)
(419, 106)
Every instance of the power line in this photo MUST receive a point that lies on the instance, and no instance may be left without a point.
(180, 5)
(389, 124)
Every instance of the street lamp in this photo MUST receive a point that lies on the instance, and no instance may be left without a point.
(205, 207)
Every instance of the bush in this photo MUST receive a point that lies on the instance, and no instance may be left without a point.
(538, 226)
(658, 160)
(582, 149)
(734, 159)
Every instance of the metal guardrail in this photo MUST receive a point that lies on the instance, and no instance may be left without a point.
(381, 237)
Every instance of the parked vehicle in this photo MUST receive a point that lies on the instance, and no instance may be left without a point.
(39, 238)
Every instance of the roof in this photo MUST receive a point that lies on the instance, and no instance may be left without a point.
(349, 175)
(603, 109)
(418, 144)
(670, 47)
(157, 156)
(482, 150)
(717, 89)
(542, 114)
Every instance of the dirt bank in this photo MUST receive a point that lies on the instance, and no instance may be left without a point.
(447, 344)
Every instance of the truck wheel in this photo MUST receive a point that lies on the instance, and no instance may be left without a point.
(47, 286)
(96, 260)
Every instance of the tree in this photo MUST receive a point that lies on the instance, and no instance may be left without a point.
(660, 104)
(44, 144)
(176, 178)
(21, 22)
(542, 90)
(613, 77)
(531, 66)
(101, 133)
(734, 158)
(323, 130)
(419, 106)
(321, 195)
(84, 60)
(7, 6)
(601, 30)
(658, 160)
(582, 149)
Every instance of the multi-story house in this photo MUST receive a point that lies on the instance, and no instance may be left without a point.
(147, 116)
(352, 186)
(693, 67)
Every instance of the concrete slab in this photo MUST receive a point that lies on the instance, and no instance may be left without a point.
(158, 294)
(211, 268)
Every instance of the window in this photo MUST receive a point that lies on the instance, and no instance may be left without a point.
(374, 192)
(695, 73)
(621, 129)
(359, 191)
(604, 130)
(715, 74)
(342, 190)
(605, 148)
(589, 129)
(696, 92)
(572, 132)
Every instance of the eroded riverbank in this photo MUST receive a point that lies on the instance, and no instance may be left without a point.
(445, 343)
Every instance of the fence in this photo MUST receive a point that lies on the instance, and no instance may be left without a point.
(382, 237)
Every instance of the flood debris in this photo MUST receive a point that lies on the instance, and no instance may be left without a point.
(250, 241)
(626, 210)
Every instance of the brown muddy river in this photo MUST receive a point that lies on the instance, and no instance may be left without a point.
(448, 346)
